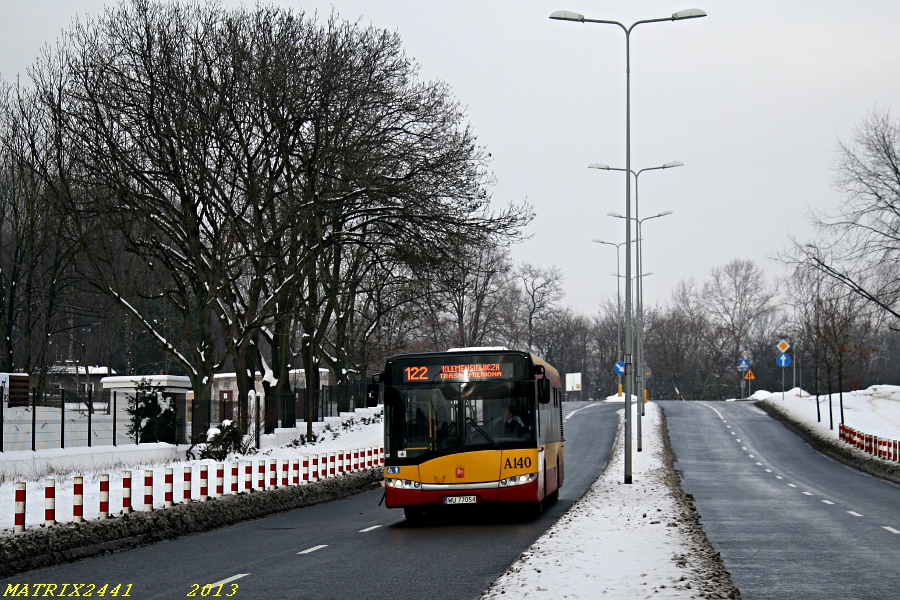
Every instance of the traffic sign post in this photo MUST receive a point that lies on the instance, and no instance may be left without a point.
(749, 377)
(743, 365)
(783, 361)
(619, 369)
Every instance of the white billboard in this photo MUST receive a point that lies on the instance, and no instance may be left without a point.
(573, 382)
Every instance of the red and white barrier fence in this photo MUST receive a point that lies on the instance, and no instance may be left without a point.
(871, 444)
(293, 472)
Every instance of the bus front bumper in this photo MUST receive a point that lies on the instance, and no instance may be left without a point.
(402, 497)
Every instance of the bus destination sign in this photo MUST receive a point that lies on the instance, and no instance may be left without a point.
(458, 372)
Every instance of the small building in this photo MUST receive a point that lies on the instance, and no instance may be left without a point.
(174, 388)
(75, 378)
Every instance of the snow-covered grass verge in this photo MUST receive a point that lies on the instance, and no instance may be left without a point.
(352, 433)
(633, 541)
(874, 410)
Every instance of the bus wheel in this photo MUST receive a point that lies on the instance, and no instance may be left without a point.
(533, 510)
(414, 514)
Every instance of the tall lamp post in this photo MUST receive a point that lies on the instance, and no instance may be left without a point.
(565, 15)
(641, 366)
(618, 307)
(641, 370)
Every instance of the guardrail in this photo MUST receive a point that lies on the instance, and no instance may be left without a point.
(871, 444)
(281, 473)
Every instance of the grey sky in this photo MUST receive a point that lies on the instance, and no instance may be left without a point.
(753, 99)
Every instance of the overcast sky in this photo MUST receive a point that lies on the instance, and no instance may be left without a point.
(753, 99)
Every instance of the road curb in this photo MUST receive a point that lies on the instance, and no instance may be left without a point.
(834, 448)
(63, 543)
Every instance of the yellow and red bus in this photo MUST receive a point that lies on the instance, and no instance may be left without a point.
(471, 426)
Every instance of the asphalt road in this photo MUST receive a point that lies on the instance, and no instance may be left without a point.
(354, 548)
(789, 522)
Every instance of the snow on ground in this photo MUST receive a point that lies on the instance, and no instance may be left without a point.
(617, 541)
(355, 435)
(874, 410)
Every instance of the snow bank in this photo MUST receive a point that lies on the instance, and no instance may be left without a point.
(874, 410)
(623, 541)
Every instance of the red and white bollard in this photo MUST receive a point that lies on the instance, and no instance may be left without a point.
(368, 457)
(49, 502)
(170, 485)
(305, 469)
(126, 492)
(356, 459)
(348, 461)
(284, 473)
(204, 483)
(186, 486)
(340, 462)
(104, 497)
(315, 468)
(78, 500)
(234, 478)
(220, 479)
(20, 507)
(148, 490)
(295, 464)
(273, 473)
(261, 475)
(323, 466)
(381, 454)
(248, 476)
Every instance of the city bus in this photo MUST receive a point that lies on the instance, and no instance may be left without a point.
(471, 426)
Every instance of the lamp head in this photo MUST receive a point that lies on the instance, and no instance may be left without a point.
(664, 213)
(568, 15)
(616, 215)
(599, 166)
(674, 163)
(688, 13)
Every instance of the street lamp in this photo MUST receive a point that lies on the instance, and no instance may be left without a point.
(641, 367)
(565, 15)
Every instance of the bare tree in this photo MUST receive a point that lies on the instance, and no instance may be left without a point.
(542, 289)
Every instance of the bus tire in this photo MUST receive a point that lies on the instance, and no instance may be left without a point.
(534, 510)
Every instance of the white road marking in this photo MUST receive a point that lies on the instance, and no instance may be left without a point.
(807, 494)
(728, 426)
(855, 514)
(230, 579)
(779, 477)
(760, 464)
(313, 549)
(711, 408)
(733, 433)
(569, 416)
(891, 529)
(369, 528)
(751, 456)
(768, 470)
(743, 447)
(738, 441)
(827, 501)
(792, 485)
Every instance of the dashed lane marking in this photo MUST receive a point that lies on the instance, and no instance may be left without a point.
(792, 485)
(313, 549)
(728, 426)
(738, 441)
(779, 477)
(807, 494)
(369, 528)
(751, 456)
(760, 464)
(733, 433)
(230, 579)
(891, 529)
(569, 416)
(743, 447)
(768, 470)
(855, 514)
(827, 501)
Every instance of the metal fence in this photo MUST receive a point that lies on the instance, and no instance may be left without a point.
(63, 419)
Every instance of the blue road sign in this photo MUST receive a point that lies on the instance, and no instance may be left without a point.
(783, 360)
(619, 368)
(743, 365)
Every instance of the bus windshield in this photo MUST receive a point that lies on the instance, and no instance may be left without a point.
(448, 417)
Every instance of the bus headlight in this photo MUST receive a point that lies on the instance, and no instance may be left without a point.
(518, 480)
(403, 483)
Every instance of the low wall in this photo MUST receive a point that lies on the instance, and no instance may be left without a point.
(834, 448)
(72, 541)
(29, 465)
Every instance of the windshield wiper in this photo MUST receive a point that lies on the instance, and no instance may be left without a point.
(482, 432)
(441, 437)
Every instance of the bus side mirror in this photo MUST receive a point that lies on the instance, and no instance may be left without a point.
(543, 390)
(372, 390)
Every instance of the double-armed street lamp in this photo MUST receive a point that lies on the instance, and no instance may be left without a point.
(565, 15)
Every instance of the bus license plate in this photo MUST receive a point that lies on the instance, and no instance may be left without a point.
(461, 500)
